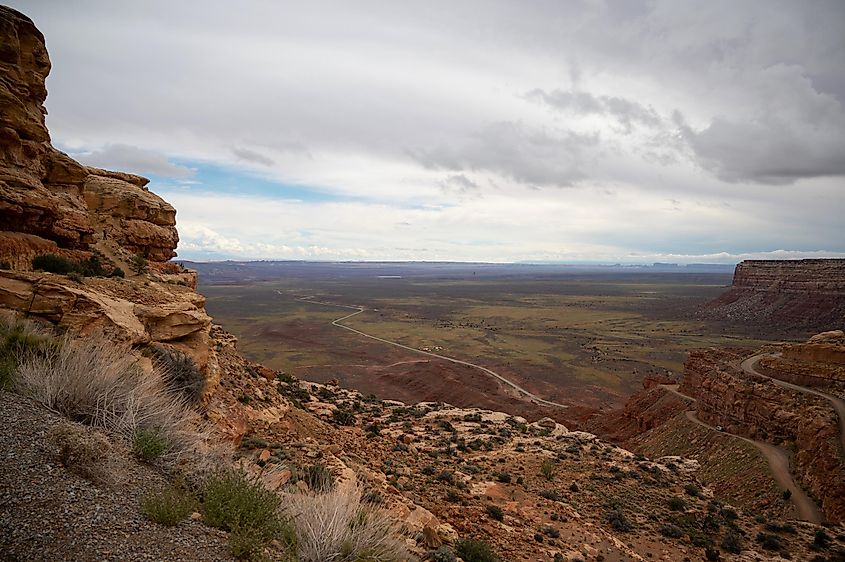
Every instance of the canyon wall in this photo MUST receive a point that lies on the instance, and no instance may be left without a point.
(758, 409)
(787, 297)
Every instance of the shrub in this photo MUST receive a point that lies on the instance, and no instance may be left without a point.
(318, 477)
(475, 551)
(692, 490)
(732, 542)
(547, 469)
(495, 512)
(92, 267)
(677, 504)
(503, 477)
(337, 526)
(167, 507)
(118, 272)
(100, 383)
(149, 444)
(442, 554)
(138, 263)
(5, 265)
(54, 264)
(343, 417)
(618, 520)
(821, 539)
(672, 531)
(237, 503)
(18, 340)
(79, 450)
(769, 542)
(180, 372)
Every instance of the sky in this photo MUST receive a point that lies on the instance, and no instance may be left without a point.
(502, 131)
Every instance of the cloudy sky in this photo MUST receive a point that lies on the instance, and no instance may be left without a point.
(596, 130)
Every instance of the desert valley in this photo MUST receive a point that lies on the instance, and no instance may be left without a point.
(160, 408)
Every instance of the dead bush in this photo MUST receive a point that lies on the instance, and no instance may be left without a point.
(81, 450)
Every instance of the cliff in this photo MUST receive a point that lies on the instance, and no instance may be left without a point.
(787, 297)
(534, 491)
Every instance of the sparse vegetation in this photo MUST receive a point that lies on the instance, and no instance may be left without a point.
(475, 551)
(80, 449)
(138, 263)
(180, 372)
(167, 507)
(495, 512)
(442, 554)
(318, 477)
(149, 444)
(19, 339)
(237, 503)
(99, 383)
(618, 521)
(732, 542)
(547, 469)
(338, 526)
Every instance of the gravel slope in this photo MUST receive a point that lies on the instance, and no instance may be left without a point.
(50, 513)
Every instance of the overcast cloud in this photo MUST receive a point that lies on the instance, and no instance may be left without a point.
(474, 130)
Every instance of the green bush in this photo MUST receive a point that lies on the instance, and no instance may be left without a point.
(618, 520)
(547, 469)
(495, 512)
(138, 263)
(149, 444)
(117, 272)
(343, 417)
(677, 504)
(167, 507)
(442, 554)
(475, 551)
(692, 490)
(732, 542)
(672, 531)
(5, 265)
(54, 264)
(237, 503)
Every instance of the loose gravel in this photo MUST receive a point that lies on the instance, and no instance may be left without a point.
(50, 513)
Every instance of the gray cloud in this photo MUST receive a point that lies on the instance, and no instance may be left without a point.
(128, 158)
(627, 112)
(252, 156)
(534, 157)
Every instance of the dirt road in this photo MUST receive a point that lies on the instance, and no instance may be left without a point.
(837, 403)
(358, 310)
(778, 463)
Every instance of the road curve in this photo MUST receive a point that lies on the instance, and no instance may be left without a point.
(837, 403)
(778, 463)
(360, 309)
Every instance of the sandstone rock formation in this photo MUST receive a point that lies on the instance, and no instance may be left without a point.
(789, 297)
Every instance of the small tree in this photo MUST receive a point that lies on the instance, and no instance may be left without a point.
(138, 264)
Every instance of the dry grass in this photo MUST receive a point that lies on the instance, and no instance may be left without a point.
(100, 383)
(338, 526)
(81, 450)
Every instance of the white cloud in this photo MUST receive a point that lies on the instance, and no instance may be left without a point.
(420, 113)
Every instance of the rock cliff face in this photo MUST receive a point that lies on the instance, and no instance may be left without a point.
(756, 408)
(784, 296)
(50, 203)
(47, 194)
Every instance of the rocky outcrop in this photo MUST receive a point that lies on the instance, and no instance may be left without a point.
(51, 204)
(796, 297)
(46, 194)
(756, 408)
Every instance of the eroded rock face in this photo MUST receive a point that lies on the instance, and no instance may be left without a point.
(784, 296)
(44, 192)
(759, 409)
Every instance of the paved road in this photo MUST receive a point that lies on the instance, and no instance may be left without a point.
(838, 403)
(778, 463)
(358, 310)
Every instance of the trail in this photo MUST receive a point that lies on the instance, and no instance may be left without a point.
(837, 403)
(778, 463)
(359, 309)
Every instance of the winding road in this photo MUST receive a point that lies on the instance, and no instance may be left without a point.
(777, 458)
(837, 403)
(359, 309)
